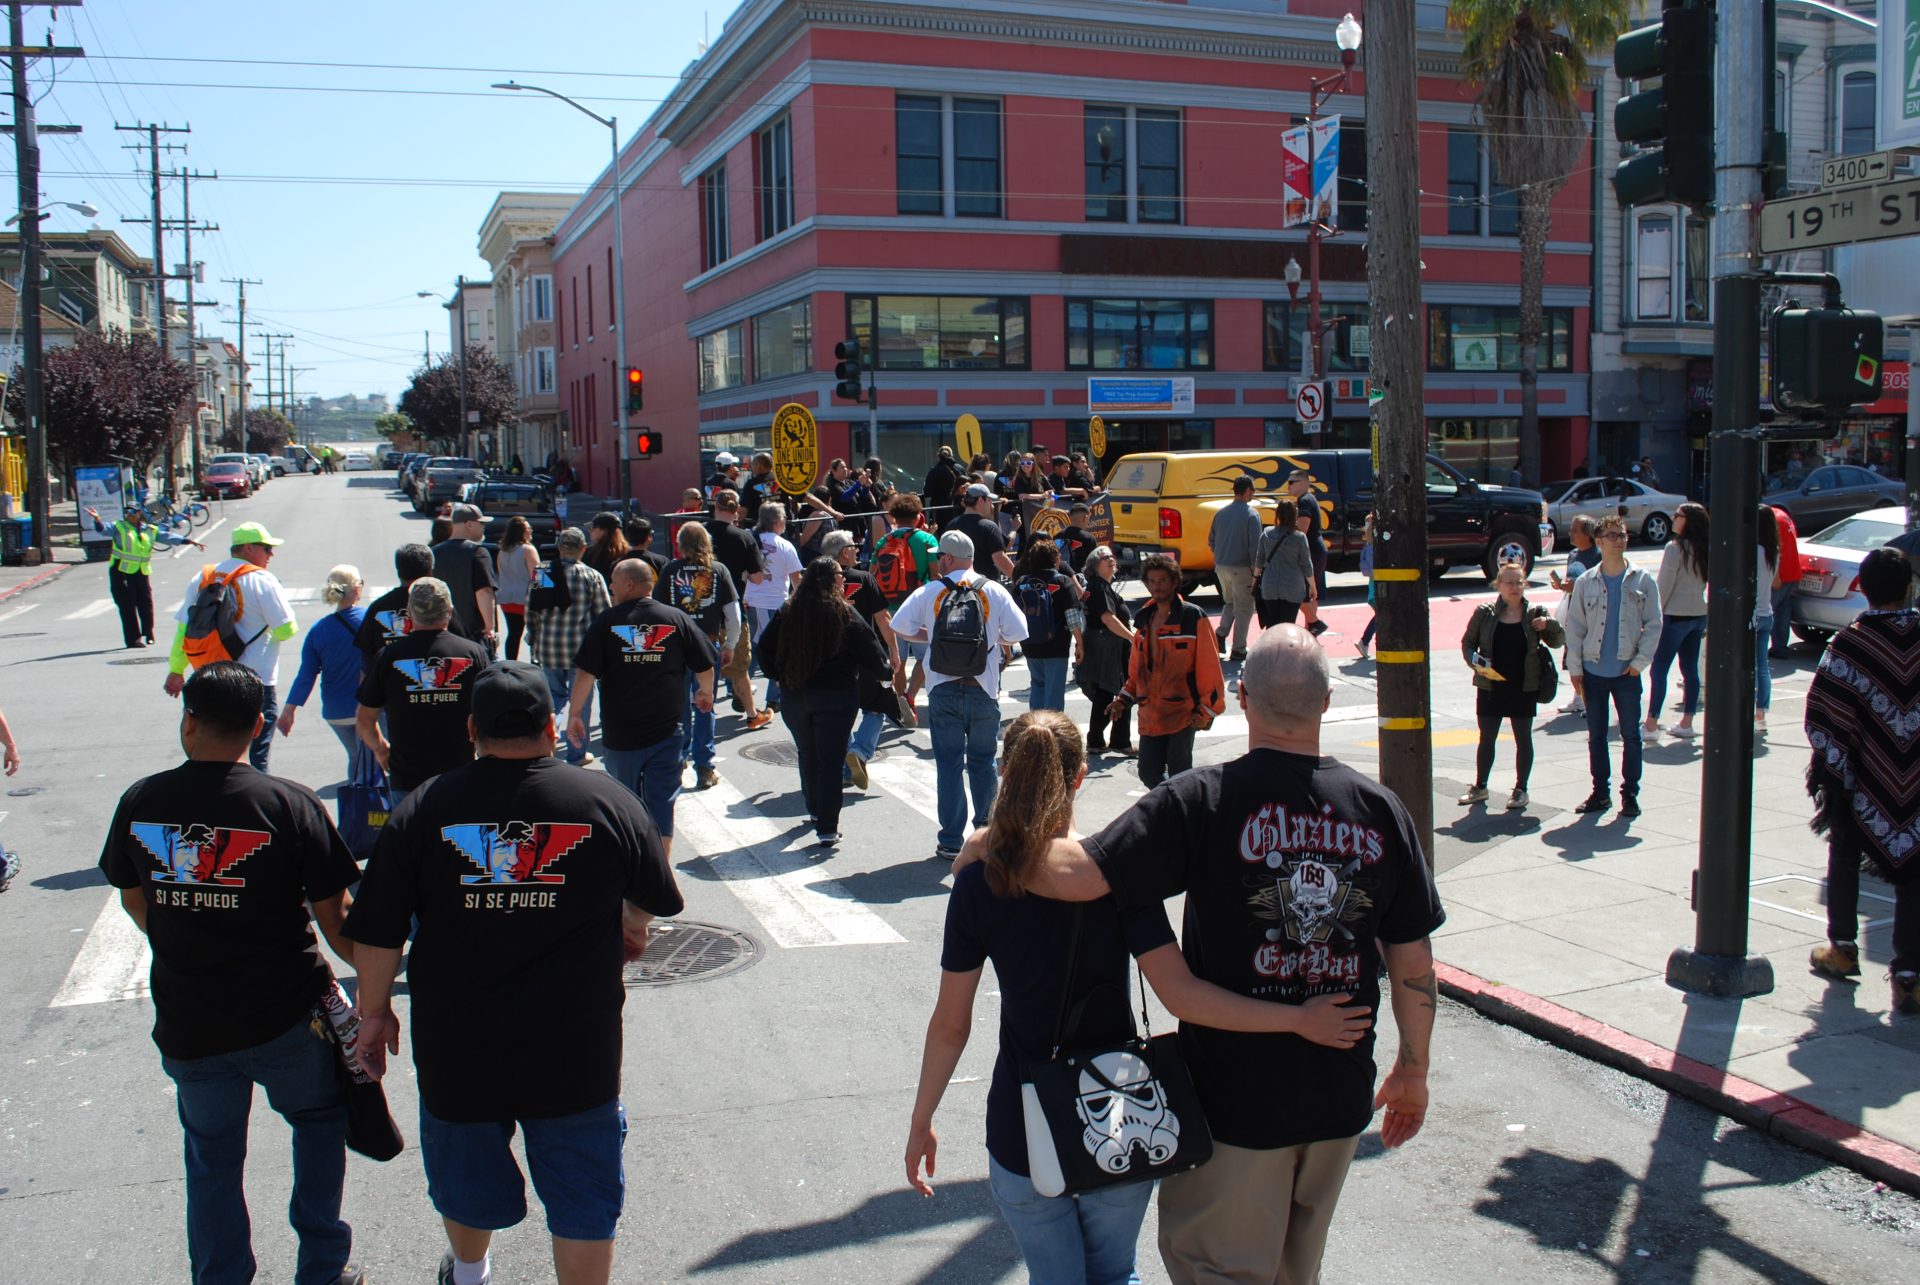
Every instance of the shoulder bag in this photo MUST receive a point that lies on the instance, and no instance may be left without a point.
(1101, 1115)
(370, 1127)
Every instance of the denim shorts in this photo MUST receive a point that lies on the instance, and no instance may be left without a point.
(575, 1160)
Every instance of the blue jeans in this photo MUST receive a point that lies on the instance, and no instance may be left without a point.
(1624, 693)
(262, 746)
(757, 618)
(1046, 682)
(349, 737)
(214, 1096)
(1073, 1240)
(1762, 667)
(1782, 615)
(560, 688)
(652, 772)
(821, 723)
(965, 724)
(1679, 637)
(866, 737)
(699, 742)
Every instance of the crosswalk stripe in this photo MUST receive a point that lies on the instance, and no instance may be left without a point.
(301, 595)
(20, 610)
(112, 964)
(98, 607)
(908, 779)
(780, 883)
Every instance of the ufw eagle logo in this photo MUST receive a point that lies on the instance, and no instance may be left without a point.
(433, 673)
(199, 853)
(517, 852)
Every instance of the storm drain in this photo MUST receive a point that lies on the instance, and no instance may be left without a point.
(772, 753)
(691, 952)
(140, 660)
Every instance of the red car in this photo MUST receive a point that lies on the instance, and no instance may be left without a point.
(226, 481)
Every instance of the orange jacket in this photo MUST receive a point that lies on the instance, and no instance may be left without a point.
(1174, 670)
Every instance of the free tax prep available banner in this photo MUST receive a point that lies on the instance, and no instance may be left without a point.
(1171, 396)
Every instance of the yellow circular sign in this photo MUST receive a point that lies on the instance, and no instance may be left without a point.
(966, 433)
(1097, 436)
(796, 448)
(1048, 522)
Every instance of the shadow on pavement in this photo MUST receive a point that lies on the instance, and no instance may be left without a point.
(1585, 836)
(73, 880)
(67, 655)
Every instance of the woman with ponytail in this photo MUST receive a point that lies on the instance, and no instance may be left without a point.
(992, 915)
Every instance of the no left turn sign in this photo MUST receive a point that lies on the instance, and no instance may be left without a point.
(1310, 403)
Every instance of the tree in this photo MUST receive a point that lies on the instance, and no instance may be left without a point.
(267, 431)
(107, 396)
(432, 400)
(1528, 61)
(398, 430)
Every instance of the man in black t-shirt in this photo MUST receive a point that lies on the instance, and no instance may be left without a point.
(532, 883)
(1300, 487)
(217, 863)
(640, 652)
(639, 533)
(421, 685)
(733, 546)
(1297, 871)
(977, 522)
(466, 566)
(863, 591)
(386, 617)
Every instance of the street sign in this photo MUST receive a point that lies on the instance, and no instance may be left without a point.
(1876, 213)
(796, 448)
(1856, 171)
(966, 432)
(1310, 403)
(473, 417)
(1097, 436)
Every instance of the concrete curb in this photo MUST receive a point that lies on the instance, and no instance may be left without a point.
(33, 582)
(1780, 1114)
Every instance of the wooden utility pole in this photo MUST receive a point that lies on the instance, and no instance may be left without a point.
(159, 277)
(1399, 419)
(241, 428)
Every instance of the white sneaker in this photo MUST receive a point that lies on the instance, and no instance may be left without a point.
(1478, 794)
(1517, 801)
(1574, 706)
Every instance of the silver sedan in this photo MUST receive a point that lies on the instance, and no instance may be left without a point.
(1649, 513)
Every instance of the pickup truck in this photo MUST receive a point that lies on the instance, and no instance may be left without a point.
(501, 501)
(441, 481)
(1164, 503)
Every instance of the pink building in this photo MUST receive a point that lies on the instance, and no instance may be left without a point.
(1002, 202)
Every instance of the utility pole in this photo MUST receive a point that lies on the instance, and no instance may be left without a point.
(189, 273)
(26, 150)
(243, 283)
(1718, 962)
(159, 277)
(460, 308)
(1399, 419)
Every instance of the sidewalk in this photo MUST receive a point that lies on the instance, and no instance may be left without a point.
(66, 554)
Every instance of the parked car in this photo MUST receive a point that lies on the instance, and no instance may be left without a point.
(1164, 503)
(1828, 596)
(1647, 511)
(298, 459)
(1831, 492)
(226, 480)
(272, 466)
(442, 479)
(250, 464)
(356, 462)
(391, 458)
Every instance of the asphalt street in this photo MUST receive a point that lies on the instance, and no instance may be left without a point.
(768, 1106)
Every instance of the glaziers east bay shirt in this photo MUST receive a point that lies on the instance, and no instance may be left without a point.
(425, 684)
(641, 652)
(1294, 868)
(517, 869)
(228, 859)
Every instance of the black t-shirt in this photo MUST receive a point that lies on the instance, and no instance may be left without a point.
(1309, 505)
(863, 591)
(1294, 869)
(386, 622)
(1062, 594)
(467, 568)
(737, 550)
(516, 869)
(703, 592)
(228, 859)
(642, 652)
(1075, 544)
(987, 541)
(425, 684)
(1027, 939)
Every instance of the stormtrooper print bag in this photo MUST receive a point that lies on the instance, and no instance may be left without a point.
(1099, 1115)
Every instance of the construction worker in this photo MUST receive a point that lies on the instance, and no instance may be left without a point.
(130, 570)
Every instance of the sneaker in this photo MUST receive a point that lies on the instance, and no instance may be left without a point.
(1598, 801)
(1478, 794)
(1096, 747)
(943, 853)
(1574, 706)
(857, 769)
(9, 868)
(442, 1277)
(587, 759)
(351, 1275)
(1837, 959)
(827, 838)
(1317, 628)
(1906, 994)
(1683, 732)
(707, 778)
(1517, 801)
(763, 719)
(1629, 804)
(1650, 728)
(1238, 657)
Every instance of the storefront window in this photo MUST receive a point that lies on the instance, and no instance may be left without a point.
(783, 341)
(1347, 346)
(1340, 434)
(1486, 450)
(941, 332)
(720, 354)
(1139, 334)
(1465, 338)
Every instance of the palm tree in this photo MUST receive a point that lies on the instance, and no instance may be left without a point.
(1528, 60)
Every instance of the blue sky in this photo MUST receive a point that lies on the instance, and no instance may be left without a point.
(342, 197)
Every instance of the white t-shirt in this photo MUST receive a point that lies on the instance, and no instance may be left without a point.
(263, 608)
(1006, 623)
(782, 561)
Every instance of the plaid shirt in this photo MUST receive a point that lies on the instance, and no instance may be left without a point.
(555, 636)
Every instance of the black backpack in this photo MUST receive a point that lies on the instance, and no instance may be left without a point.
(1035, 595)
(550, 591)
(958, 646)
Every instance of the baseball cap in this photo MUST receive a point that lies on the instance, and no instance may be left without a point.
(957, 544)
(429, 601)
(510, 700)
(252, 533)
(725, 459)
(465, 513)
(978, 491)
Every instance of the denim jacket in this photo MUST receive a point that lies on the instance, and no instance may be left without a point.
(1587, 619)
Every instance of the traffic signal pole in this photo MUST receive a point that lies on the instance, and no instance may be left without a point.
(1718, 963)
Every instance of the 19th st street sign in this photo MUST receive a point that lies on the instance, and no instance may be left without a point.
(1876, 213)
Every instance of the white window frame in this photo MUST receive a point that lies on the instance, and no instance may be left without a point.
(544, 372)
(1676, 270)
(1846, 73)
(542, 300)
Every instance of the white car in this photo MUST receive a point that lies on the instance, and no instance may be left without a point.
(1828, 596)
(356, 462)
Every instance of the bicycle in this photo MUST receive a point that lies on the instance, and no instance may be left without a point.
(177, 523)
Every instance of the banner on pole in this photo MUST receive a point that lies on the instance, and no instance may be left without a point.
(1897, 123)
(1296, 176)
(1326, 168)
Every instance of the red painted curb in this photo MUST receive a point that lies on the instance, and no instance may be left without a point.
(35, 581)
(1780, 1114)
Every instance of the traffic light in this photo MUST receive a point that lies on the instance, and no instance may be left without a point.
(847, 370)
(1673, 122)
(636, 382)
(646, 443)
(1826, 359)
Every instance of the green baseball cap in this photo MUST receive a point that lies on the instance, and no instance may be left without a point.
(252, 533)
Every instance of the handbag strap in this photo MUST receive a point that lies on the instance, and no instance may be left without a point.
(1066, 987)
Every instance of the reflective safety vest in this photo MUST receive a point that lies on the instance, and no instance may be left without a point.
(132, 548)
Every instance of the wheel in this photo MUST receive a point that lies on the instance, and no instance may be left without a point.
(1657, 528)
(200, 513)
(179, 526)
(1809, 634)
(1508, 546)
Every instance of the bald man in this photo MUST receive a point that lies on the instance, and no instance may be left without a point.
(640, 651)
(1297, 871)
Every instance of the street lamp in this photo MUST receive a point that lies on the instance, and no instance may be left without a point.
(619, 278)
(85, 209)
(458, 306)
(1346, 37)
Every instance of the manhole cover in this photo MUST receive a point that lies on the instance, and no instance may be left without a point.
(772, 753)
(691, 952)
(25, 790)
(31, 633)
(140, 660)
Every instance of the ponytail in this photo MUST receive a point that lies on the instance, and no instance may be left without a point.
(1040, 760)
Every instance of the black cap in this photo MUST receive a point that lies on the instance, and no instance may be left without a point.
(510, 700)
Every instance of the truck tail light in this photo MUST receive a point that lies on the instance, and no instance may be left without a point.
(1170, 524)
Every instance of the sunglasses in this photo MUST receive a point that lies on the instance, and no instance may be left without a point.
(1613, 535)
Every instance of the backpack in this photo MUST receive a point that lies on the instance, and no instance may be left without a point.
(958, 642)
(213, 621)
(1035, 595)
(894, 568)
(549, 590)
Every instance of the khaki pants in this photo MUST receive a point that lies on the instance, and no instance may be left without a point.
(739, 673)
(1236, 609)
(1253, 1217)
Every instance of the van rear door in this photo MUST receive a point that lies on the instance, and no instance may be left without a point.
(1134, 485)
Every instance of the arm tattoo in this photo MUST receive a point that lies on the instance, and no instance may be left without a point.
(1426, 984)
(1409, 1059)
